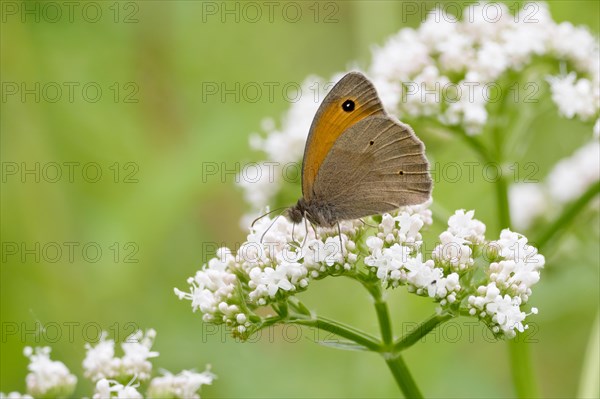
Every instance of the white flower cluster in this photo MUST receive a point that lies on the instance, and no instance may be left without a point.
(499, 300)
(51, 379)
(184, 385)
(396, 259)
(575, 97)
(567, 181)
(212, 287)
(271, 266)
(455, 250)
(100, 361)
(394, 254)
(413, 69)
(277, 259)
(46, 378)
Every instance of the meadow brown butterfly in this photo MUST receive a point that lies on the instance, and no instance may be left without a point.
(358, 161)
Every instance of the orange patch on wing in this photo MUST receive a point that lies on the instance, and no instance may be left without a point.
(332, 123)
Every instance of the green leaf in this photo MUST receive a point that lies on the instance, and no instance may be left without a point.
(343, 345)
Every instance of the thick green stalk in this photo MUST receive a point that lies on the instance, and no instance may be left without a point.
(383, 317)
(521, 368)
(392, 358)
(502, 202)
(403, 378)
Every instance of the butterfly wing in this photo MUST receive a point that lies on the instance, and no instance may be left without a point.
(332, 119)
(375, 166)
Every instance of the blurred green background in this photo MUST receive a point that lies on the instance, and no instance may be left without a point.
(160, 54)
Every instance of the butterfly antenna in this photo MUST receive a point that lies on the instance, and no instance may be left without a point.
(367, 224)
(271, 225)
(268, 213)
(314, 229)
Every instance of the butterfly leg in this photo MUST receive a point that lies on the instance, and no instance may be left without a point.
(293, 243)
(305, 231)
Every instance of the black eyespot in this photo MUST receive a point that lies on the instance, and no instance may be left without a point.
(401, 172)
(371, 142)
(348, 106)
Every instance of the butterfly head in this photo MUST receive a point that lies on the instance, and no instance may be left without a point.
(296, 213)
(317, 212)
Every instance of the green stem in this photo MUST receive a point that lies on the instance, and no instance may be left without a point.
(393, 358)
(503, 205)
(568, 214)
(423, 329)
(402, 375)
(476, 145)
(521, 368)
(299, 307)
(439, 214)
(383, 316)
(342, 330)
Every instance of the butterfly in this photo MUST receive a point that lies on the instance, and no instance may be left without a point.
(358, 160)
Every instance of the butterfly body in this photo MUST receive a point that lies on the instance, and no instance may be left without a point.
(358, 161)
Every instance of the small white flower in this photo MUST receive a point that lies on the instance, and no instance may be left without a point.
(410, 227)
(388, 223)
(453, 251)
(422, 275)
(463, 225)
(107, 389)
(575, 96)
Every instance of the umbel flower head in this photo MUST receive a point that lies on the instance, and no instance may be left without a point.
(47, 378)
(466, 274)
(184, 385)
(100, 361)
